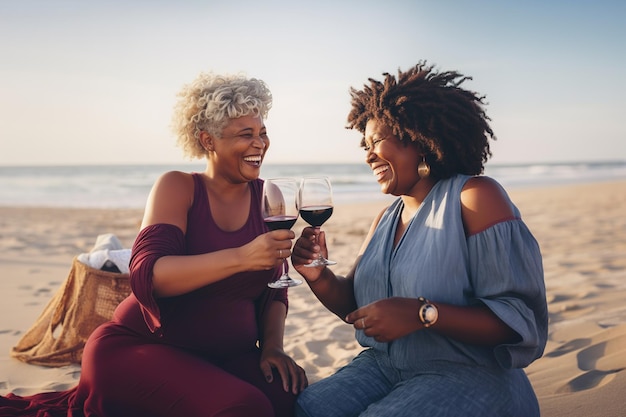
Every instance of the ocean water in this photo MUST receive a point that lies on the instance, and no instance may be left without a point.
(127, 186)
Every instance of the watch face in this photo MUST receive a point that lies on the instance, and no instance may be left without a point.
(430, 314)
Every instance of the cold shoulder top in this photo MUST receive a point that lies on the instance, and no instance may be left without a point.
(500, 267)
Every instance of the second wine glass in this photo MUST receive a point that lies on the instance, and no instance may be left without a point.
(316, 206)
(279, 205)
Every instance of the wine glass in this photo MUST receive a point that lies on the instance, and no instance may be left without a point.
(316, 206)
(279, 206)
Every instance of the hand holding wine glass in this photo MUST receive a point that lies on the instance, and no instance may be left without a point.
(279, 205)
(316, 206)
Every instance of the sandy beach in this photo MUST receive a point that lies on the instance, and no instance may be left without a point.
(581, 230)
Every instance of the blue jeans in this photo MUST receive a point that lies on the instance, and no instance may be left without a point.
(371, 387)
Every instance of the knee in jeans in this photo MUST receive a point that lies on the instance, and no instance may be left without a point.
(300, 411)
(300, 406)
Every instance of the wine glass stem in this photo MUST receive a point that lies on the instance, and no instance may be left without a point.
(317, 234)
(284, 274)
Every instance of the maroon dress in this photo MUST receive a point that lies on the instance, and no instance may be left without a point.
(189, 355)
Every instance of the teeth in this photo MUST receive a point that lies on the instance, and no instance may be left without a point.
(381, 169)
(252, 159)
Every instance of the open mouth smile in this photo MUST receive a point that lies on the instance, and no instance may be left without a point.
(380, 171)
(254, 160)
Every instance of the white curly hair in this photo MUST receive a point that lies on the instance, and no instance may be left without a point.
(210, 101)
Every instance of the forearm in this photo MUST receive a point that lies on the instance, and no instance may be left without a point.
(472, 325)
(336, 293)
(391, 318)
(273, 326)
(175, 275)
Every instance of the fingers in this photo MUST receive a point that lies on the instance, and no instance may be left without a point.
(354, 316)
(309, 233)
(358, 324)
(285, 376)
(305, 250)
(298, 378)
(369, 327)
(285, 234)
(283, 254)
(281, 235)
(279, 244)
(301, 382)
(386, 320)
(292, 376)
(359, 319)
(267, 371)
(302, 256)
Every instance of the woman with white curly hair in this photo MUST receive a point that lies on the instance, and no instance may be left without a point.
(201, 334)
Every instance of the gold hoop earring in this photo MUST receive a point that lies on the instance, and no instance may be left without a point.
(423, 169)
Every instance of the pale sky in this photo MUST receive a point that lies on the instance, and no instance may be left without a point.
(86, 82)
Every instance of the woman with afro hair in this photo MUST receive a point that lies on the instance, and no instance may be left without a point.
(447, 294)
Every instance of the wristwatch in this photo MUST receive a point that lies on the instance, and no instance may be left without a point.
(428, 313)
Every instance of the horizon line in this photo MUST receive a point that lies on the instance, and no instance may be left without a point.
(201, 162)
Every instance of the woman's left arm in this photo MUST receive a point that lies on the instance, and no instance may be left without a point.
(272, 353)
(484, 203)
(392, 318)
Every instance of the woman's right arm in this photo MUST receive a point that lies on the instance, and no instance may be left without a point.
(168, 203)
(335, 292)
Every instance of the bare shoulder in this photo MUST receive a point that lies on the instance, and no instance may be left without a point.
(174, 179)
(170, 198)
(484, 203)
(174, 185)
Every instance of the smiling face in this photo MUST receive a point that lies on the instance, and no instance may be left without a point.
(394, 163)
(239, 153)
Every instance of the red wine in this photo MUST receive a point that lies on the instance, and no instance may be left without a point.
(280, 222)
(316, 215)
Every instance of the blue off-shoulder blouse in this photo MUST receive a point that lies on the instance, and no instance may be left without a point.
(500, 267)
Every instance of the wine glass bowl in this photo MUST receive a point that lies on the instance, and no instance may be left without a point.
(279, 207)
(316, 216)
(316, 206)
